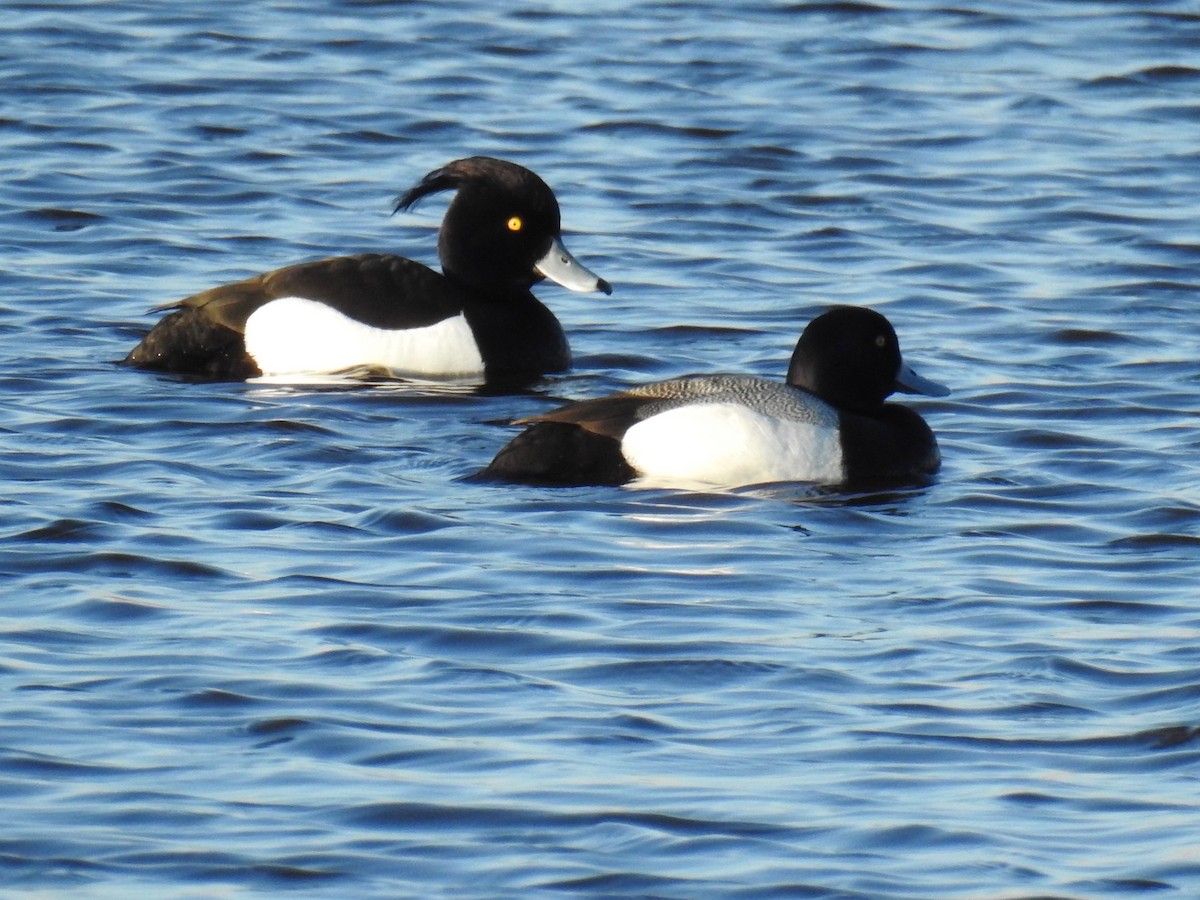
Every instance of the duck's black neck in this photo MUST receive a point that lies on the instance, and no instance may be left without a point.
(893, 443)
(518, 336)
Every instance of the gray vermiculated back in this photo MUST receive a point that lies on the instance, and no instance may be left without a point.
(771, 398)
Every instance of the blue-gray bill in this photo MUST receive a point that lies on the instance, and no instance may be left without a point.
(562, 268)
(909, 382)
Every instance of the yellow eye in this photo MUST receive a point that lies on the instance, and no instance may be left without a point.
(515, 223)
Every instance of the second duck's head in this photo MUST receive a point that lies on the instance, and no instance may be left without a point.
(850, 357)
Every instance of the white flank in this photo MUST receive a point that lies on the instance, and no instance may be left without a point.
(727, 445)
(293, 335)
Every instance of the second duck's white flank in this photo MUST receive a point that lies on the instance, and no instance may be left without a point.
(725, 443)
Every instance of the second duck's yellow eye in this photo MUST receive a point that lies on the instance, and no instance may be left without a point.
(515, 223)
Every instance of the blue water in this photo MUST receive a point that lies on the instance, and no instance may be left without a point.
(270, 639)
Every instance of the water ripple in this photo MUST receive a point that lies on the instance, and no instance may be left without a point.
(272, 637)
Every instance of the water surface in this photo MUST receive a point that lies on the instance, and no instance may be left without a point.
(271, 638)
